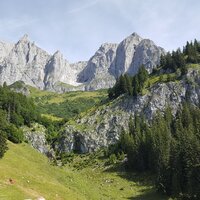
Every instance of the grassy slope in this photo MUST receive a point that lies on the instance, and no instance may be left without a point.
(34, 177)
(67, 105)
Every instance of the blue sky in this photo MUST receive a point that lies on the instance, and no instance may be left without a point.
(78, 27)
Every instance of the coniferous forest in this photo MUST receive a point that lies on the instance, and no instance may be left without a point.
(169, 147)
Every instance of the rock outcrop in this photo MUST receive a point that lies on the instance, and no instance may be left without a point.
(36, 137)
(103, 126)
(26, 62)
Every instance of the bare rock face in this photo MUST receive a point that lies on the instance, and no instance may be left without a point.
(103, 126)
(96, 74)
(147, 54)
(125, 54)
(56, 70)
(37, 139)
(5, 49)
(112, 60)
(26, 62)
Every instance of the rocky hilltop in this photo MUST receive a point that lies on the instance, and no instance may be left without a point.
(24, 61)
(102, 126)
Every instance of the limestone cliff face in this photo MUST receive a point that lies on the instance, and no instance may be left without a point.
(103, 126)
(147, 54)
(96, 74)
(112, 60)
(5, 49)
(55, 70)
(26, 62)
(125, 54)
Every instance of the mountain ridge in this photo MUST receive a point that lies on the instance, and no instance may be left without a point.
(25, 61)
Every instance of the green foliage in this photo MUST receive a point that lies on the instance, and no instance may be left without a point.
(14, 134)
(131, 86)
(20, 109)
(3, 144)
(168, 147)
(67, 105)
(178, 59)
(67, 109)
(112, 159)
(15, 110)
(86, 177)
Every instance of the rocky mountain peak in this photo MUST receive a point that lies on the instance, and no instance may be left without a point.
(125, 53)
(27, 62)
(57, 53)
(134, 34)
(24, 39)
(134, 38)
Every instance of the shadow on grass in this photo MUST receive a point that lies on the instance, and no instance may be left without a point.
(142, 179)
(149, 195)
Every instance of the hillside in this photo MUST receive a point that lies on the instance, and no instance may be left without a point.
(67, 105)
(33, 176)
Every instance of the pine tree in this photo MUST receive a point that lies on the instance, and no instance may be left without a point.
(136, 86)
(3, 144)
(129, 87)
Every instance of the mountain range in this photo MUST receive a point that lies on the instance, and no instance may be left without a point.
(25, 61)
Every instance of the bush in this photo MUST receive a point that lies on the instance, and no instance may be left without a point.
(3, 144)
(14, 135)
(112, 159)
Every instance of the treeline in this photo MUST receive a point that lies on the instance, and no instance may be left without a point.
(126, 84)
(167, 146)
(15, 110)
(178, 59)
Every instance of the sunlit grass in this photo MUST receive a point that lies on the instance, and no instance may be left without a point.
(35, 176)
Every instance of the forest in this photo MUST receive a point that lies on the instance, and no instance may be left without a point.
(168, 147)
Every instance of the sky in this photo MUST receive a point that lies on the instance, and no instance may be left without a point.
(78, 27)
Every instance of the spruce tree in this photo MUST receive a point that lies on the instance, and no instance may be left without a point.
(3, 144)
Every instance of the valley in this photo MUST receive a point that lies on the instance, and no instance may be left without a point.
(34, 176)
(130, 131)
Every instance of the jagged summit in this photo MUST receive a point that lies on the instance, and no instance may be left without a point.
(134, 38)
(57, 54)
(25, 38)
(27, 62)
(135, 34)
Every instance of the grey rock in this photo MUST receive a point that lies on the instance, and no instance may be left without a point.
(5, 49)
(96, 74)
(125, 54)
(103, 126)
(36, 137)
(26, 62)
(147, 54)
